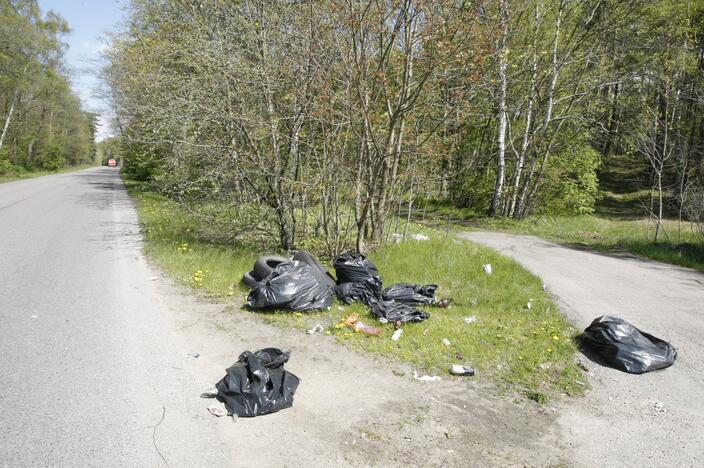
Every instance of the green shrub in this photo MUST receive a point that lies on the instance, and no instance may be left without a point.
(571, 185)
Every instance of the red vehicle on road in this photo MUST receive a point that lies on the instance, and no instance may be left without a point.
(112, 163)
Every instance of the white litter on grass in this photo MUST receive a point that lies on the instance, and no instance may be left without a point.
(397, 334)
(420, 237)
(529, 305)
(383, 320)
(397, 238)
(471, 319)
(545, 287)
(446, 342)
(425, 378)
(487, 268)
(316, 329)
(456, 369)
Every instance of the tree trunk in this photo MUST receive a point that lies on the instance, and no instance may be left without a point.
(501, 139)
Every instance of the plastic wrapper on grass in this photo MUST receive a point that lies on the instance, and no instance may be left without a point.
(258, 384)
(393, 311)
(353, 267)
(367, 292)
(411, 293)
(625, 347)
(292, 286)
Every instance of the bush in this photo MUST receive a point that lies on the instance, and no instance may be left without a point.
(571, 184)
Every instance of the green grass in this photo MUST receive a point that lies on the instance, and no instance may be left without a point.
(526, 351)
(679, 244)
(32, 174)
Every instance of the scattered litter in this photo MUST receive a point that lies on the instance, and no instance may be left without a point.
(545, 366)
(420, 237)
(383, 320)
(316, 329)
(425, 378)
(529, 305)
(397, 334)
(487, 268)
(217, 410)
(456, 369)
(360, 327)
(340, 308)
(470, 319)
(444, 303)
(34, 316)
(257, 384)
(397, 238)
(426, 331)
(660, 407)
(446, 342)
(627, 348)
(153, 278)
(545, 287)
(408, 439)
(194, 355)
(580, 383)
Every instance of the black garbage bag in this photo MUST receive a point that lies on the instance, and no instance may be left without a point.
(258, 384)
(353, 267)
(367, 292)
(626, 347)
(411, 293)
(292, 285)
(398, 312)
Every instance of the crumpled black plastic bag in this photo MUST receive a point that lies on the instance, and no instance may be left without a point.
(353, 267)
(258, 384)
(398, 312)
(367, 292)
(411, 293)
(292, 285)
(626, 347)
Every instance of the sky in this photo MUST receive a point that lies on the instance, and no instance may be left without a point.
(89, 21)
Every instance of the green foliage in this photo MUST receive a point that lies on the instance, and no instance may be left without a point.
(45, 125)
(571, 184)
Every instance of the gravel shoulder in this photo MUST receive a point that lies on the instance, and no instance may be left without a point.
(625, 420)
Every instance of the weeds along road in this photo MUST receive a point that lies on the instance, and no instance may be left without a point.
(655, 419)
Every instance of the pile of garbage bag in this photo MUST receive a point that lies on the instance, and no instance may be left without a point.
(300, 284)
(257, 384)
(303, 284)
(627, 348)
(358, 280)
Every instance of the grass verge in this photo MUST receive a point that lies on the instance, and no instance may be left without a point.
(31, 174)
(528, 350)
(679, 245)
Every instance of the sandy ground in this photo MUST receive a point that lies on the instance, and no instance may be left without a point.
(655, 419)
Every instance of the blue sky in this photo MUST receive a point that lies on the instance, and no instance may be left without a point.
(89, 21)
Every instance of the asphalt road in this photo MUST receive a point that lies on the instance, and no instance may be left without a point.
(88, 359)
(655, 419)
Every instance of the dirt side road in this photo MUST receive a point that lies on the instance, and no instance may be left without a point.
(656, 419)
(95, 368)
